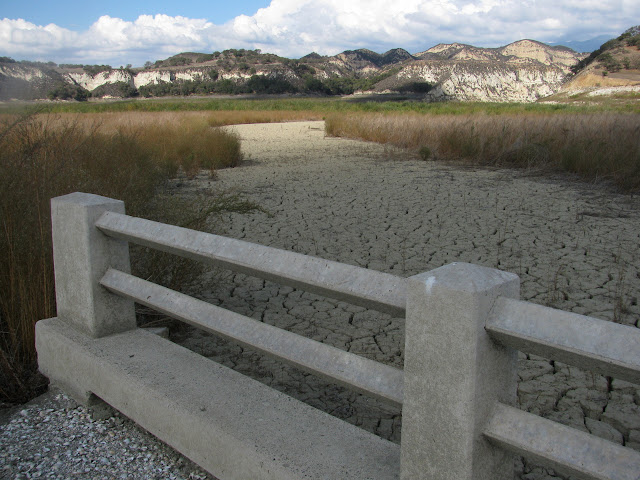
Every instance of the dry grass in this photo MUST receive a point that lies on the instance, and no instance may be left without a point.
(111, 121)
(173, 139)
(597, 80)
(47, 156)
(595, 146)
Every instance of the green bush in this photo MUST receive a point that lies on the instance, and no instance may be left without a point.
(634, 41)
(415, 87)
(117, 89)
(96, 69)
(609, 62)
(425, 153)
(67, 91)
(269, 85)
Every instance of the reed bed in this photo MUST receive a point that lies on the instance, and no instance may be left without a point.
(113, 120)
(46, 156)
(600, 146)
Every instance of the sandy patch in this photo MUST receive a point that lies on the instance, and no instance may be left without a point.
(574, 246)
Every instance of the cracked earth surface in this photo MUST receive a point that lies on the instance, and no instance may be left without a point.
(575, 247)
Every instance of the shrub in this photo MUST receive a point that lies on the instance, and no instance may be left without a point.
(634, 41)
(94, 70)
(425, 153)
(270, 85)
(67, 91)
(609, 62)
(416, 87)
(117, 89)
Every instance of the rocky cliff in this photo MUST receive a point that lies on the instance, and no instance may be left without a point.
(478, 81)
(27, 82)
(523, 71)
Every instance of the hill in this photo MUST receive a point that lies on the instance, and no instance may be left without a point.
(522, 71)
(611, 69)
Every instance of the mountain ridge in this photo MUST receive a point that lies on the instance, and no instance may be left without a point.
(521, 71)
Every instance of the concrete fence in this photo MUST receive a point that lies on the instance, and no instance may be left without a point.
(464, 325)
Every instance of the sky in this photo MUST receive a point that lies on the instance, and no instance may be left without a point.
(119, 32)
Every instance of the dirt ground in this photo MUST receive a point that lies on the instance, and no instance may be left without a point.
(575, 247)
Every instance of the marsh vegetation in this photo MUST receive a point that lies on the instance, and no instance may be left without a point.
(128, 150)
(44, 156)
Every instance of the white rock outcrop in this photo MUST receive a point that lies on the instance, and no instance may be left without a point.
(91, 82)
(483, 81)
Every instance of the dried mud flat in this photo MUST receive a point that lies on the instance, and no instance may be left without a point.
(575, 247)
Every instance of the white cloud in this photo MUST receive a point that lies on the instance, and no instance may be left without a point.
(297, 27)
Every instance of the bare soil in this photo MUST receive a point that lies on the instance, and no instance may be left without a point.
(575, 247)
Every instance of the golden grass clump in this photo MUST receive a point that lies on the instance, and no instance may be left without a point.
(46, 156)
(595, 146)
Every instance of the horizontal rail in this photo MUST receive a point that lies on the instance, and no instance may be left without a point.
(565, 449)
(361, 374)
(598, 345)
(366, 288)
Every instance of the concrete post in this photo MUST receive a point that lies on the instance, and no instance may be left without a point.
(454, 374)
(81, 256)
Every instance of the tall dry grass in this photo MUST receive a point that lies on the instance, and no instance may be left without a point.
(46, 156)
(595, 146)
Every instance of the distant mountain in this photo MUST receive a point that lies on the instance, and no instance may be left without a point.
(520, 52)
(365, 61)
(584, 45)
(522, 71)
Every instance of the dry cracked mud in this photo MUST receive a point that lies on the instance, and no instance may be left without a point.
(575, 247)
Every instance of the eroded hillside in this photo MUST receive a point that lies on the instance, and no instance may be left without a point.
(611, 70)
(523, 71)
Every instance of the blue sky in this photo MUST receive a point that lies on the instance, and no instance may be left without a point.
(119, 32)
(80, 15)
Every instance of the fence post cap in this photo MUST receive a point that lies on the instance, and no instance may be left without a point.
(87, 199)
(463, 276)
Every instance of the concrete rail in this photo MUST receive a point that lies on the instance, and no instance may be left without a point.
(590, 343)
(463, 326)
(355, 372)
(366, 288)
(565, 449)
(231, 425)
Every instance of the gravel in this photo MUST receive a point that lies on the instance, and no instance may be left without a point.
(54, 437)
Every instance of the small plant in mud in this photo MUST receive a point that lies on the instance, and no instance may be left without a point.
(425, 153)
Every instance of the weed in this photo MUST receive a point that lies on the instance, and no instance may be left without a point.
(46, 156)
(425, 153)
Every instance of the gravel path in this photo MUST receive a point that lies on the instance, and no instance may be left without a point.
(575, 247)
(54, 437)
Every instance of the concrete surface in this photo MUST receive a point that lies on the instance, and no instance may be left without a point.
(564, 449)
(81, 256)
(587, 342)
(367, 288)
(355, 372)
(454, 374)
(233, 426)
